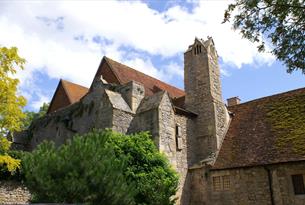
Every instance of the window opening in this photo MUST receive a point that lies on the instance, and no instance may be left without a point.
(298, 184)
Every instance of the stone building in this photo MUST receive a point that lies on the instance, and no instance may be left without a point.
(240, 153)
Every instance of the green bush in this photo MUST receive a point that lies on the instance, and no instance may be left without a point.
(102, 167)
(82, 171)
(156, 182)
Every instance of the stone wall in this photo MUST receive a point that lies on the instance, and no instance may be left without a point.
(167, 141)
(93, 111)
(247, 186)
(12, 192)
(181, 159)
(203, 96)
(121, 121)
(282, 183)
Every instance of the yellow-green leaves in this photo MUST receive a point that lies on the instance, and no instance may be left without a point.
(4, 145)
(7, 163)
(11, 103)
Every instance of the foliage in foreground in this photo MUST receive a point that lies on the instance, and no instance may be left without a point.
(281, 22)
(100, 168)
(9, 166)
(11, 104)
(84, 170)
(156, 182)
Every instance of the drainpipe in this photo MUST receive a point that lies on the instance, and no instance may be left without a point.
(270, 185)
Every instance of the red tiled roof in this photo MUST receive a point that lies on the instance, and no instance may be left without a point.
(74, 91)
(265, 131)
(66, 94)
(123, 74)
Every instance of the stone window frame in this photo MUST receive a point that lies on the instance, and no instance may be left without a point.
(293, 185)
(197, 49)
(293, 171)
(178, 137)
(221, 182)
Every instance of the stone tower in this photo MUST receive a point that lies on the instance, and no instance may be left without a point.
(203, 96)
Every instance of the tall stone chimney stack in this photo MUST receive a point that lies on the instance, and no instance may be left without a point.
(204, 97)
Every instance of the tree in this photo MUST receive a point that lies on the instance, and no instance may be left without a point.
(84, 170)
(32, 116)
(281, 21)
(9, 166)
(156, 181)
(101, 167)
(11, 103)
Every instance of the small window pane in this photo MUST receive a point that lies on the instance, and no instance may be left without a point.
(217, 183)
(298, 184)
(226, 182)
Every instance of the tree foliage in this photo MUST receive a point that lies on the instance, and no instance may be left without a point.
(11, 103)
(156, 182)
(84, 170)
(101, 168)
(32, 116)
(281, 21)
(9, 166)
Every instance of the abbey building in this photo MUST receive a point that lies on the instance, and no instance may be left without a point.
(234, 153)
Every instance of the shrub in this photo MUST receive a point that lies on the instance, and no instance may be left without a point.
(155, 180)
(82, 171)
(102, 167)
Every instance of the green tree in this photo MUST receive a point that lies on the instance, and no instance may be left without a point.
(11, 103)
(32, 116)
(281, 22)
(84, 170)
(155, 180)
(101, 167)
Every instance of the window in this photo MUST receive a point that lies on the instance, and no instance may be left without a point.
(217, 183)
(226, 182)
(197, 49)
(179, 141)
(298, 184)
(221, 183)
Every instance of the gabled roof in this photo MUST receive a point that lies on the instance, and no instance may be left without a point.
(66, 94)
(120, 73)
(265, 131)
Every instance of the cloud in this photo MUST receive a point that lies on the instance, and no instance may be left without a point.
(66, 39)
(36, 104)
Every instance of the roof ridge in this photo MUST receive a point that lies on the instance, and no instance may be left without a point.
(142, 73)
(270, 96)
(66, 81)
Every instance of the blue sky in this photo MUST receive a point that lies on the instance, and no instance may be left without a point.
(65, 39)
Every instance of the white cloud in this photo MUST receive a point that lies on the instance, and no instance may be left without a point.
(36, 104)
(45, 35)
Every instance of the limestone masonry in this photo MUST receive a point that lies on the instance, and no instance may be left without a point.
(236, 154)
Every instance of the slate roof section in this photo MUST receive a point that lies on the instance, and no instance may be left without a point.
(125, 74)
(66, 94)
(118, 101)
(151, 102)
(265, 131)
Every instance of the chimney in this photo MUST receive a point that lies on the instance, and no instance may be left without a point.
(233, 101)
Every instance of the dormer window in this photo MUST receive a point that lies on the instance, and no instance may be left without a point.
(197, 49)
